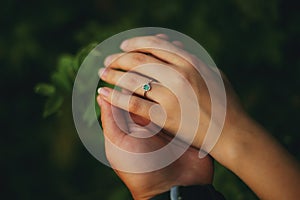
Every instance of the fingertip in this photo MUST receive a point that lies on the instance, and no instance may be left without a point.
(101, 72)
(104, 91)
(124, 44)
(99, 90)
(162, 36)
(107, 61)
(178, 44)
(110, 59)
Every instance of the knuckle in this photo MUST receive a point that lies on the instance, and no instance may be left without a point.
(138, 58)
(152, 40)
(185, 75)
(111, 77)
(183, 81)
(182, 78)
(169, 101)
(131, 80)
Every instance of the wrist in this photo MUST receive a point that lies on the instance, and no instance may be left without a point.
(260, 161)
(235, 141)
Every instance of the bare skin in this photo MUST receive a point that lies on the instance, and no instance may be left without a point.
(244, 147)
(146, 185)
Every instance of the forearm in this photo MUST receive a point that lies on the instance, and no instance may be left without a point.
(260, 161)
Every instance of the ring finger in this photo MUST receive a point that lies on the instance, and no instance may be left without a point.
(141, 85)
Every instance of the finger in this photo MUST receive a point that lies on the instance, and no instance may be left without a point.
(166, 37)
(178, 44)
(159, 48)
(134, 104)
(111, 129)
(135, 83)
(162, 36)
(129, 61)
(111, 58)
(147, 66)
(134, 120)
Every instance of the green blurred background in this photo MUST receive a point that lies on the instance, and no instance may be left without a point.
(256, 43)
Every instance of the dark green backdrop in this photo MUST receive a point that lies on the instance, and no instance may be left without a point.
(256, 43)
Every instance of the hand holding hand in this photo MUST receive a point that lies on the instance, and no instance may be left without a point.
(243, 146)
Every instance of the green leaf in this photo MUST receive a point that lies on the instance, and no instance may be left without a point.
(52, 105)
(61, 81)
(66, 65)
(82, 55)
(44, 89)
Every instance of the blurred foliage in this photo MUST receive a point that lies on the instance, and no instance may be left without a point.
(62, 80)
(256, 43)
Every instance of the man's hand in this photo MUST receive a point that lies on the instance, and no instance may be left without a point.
(187, 170)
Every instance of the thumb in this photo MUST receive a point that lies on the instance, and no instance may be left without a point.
(111, 118)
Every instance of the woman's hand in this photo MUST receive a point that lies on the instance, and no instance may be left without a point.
(122, 135)
(182, 93)
(243, 146)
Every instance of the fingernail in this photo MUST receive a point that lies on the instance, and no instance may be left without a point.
(103, 91)
(107, 61)
(102, 72)
(124, 45)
